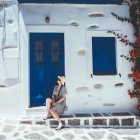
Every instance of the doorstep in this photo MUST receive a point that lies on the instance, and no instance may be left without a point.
(36, 111)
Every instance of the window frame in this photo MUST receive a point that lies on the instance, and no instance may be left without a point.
(118, 49)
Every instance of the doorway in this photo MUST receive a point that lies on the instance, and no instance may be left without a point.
(47, 61)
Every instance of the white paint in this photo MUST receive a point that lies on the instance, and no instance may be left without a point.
(15, 99)
(11, 99)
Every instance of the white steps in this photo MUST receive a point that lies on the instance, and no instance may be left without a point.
(34, 116)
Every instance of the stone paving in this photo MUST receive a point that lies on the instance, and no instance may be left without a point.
(12, 130)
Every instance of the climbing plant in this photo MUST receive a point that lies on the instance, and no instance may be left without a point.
(134, 53)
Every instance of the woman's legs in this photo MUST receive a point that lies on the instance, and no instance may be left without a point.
(56, 116)
(52, 112)
(48, 106)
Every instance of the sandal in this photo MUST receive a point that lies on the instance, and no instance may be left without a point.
(46, 117)
(60, 126)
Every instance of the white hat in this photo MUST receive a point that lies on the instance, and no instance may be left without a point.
(62, 79)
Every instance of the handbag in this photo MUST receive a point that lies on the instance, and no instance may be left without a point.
(57, 98)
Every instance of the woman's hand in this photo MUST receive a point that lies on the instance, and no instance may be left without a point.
(54, 103)
(59, 101)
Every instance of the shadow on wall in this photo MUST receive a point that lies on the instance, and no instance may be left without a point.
(11, 82)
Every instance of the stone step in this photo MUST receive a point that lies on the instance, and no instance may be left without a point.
(38, 111)
(117, 119)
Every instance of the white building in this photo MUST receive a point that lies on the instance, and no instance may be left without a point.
(40, 41)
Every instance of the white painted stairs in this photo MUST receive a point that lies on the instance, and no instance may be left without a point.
(34, 116)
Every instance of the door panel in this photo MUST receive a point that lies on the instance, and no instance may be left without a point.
(46, 63)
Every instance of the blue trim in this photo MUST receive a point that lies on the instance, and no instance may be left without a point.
(74, 1)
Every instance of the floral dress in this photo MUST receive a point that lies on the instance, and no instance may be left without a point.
(59, 107)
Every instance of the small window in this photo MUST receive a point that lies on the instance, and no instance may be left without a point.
(39, 52)
(55, 51)
(104, 56)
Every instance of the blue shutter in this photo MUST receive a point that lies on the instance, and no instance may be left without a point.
(104, 56)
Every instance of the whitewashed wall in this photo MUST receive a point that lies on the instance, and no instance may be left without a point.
(11, 96)
(77, 68)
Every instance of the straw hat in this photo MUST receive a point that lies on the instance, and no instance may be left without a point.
(62, 79)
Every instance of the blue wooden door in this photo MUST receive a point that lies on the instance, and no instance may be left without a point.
(46, 63)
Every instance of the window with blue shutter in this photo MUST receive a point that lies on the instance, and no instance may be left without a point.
(104, 56)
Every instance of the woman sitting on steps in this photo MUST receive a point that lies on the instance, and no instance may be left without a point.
(56, 105)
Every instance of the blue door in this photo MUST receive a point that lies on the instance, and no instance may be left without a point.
(46, 63)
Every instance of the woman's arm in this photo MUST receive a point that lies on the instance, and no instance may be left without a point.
(61, 100)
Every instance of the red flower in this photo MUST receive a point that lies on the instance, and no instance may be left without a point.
(131, 94)
(135, 75)
(138, 106)
(134, 53)
(137, 40)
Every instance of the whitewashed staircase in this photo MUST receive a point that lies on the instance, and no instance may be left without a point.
(34, 116)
